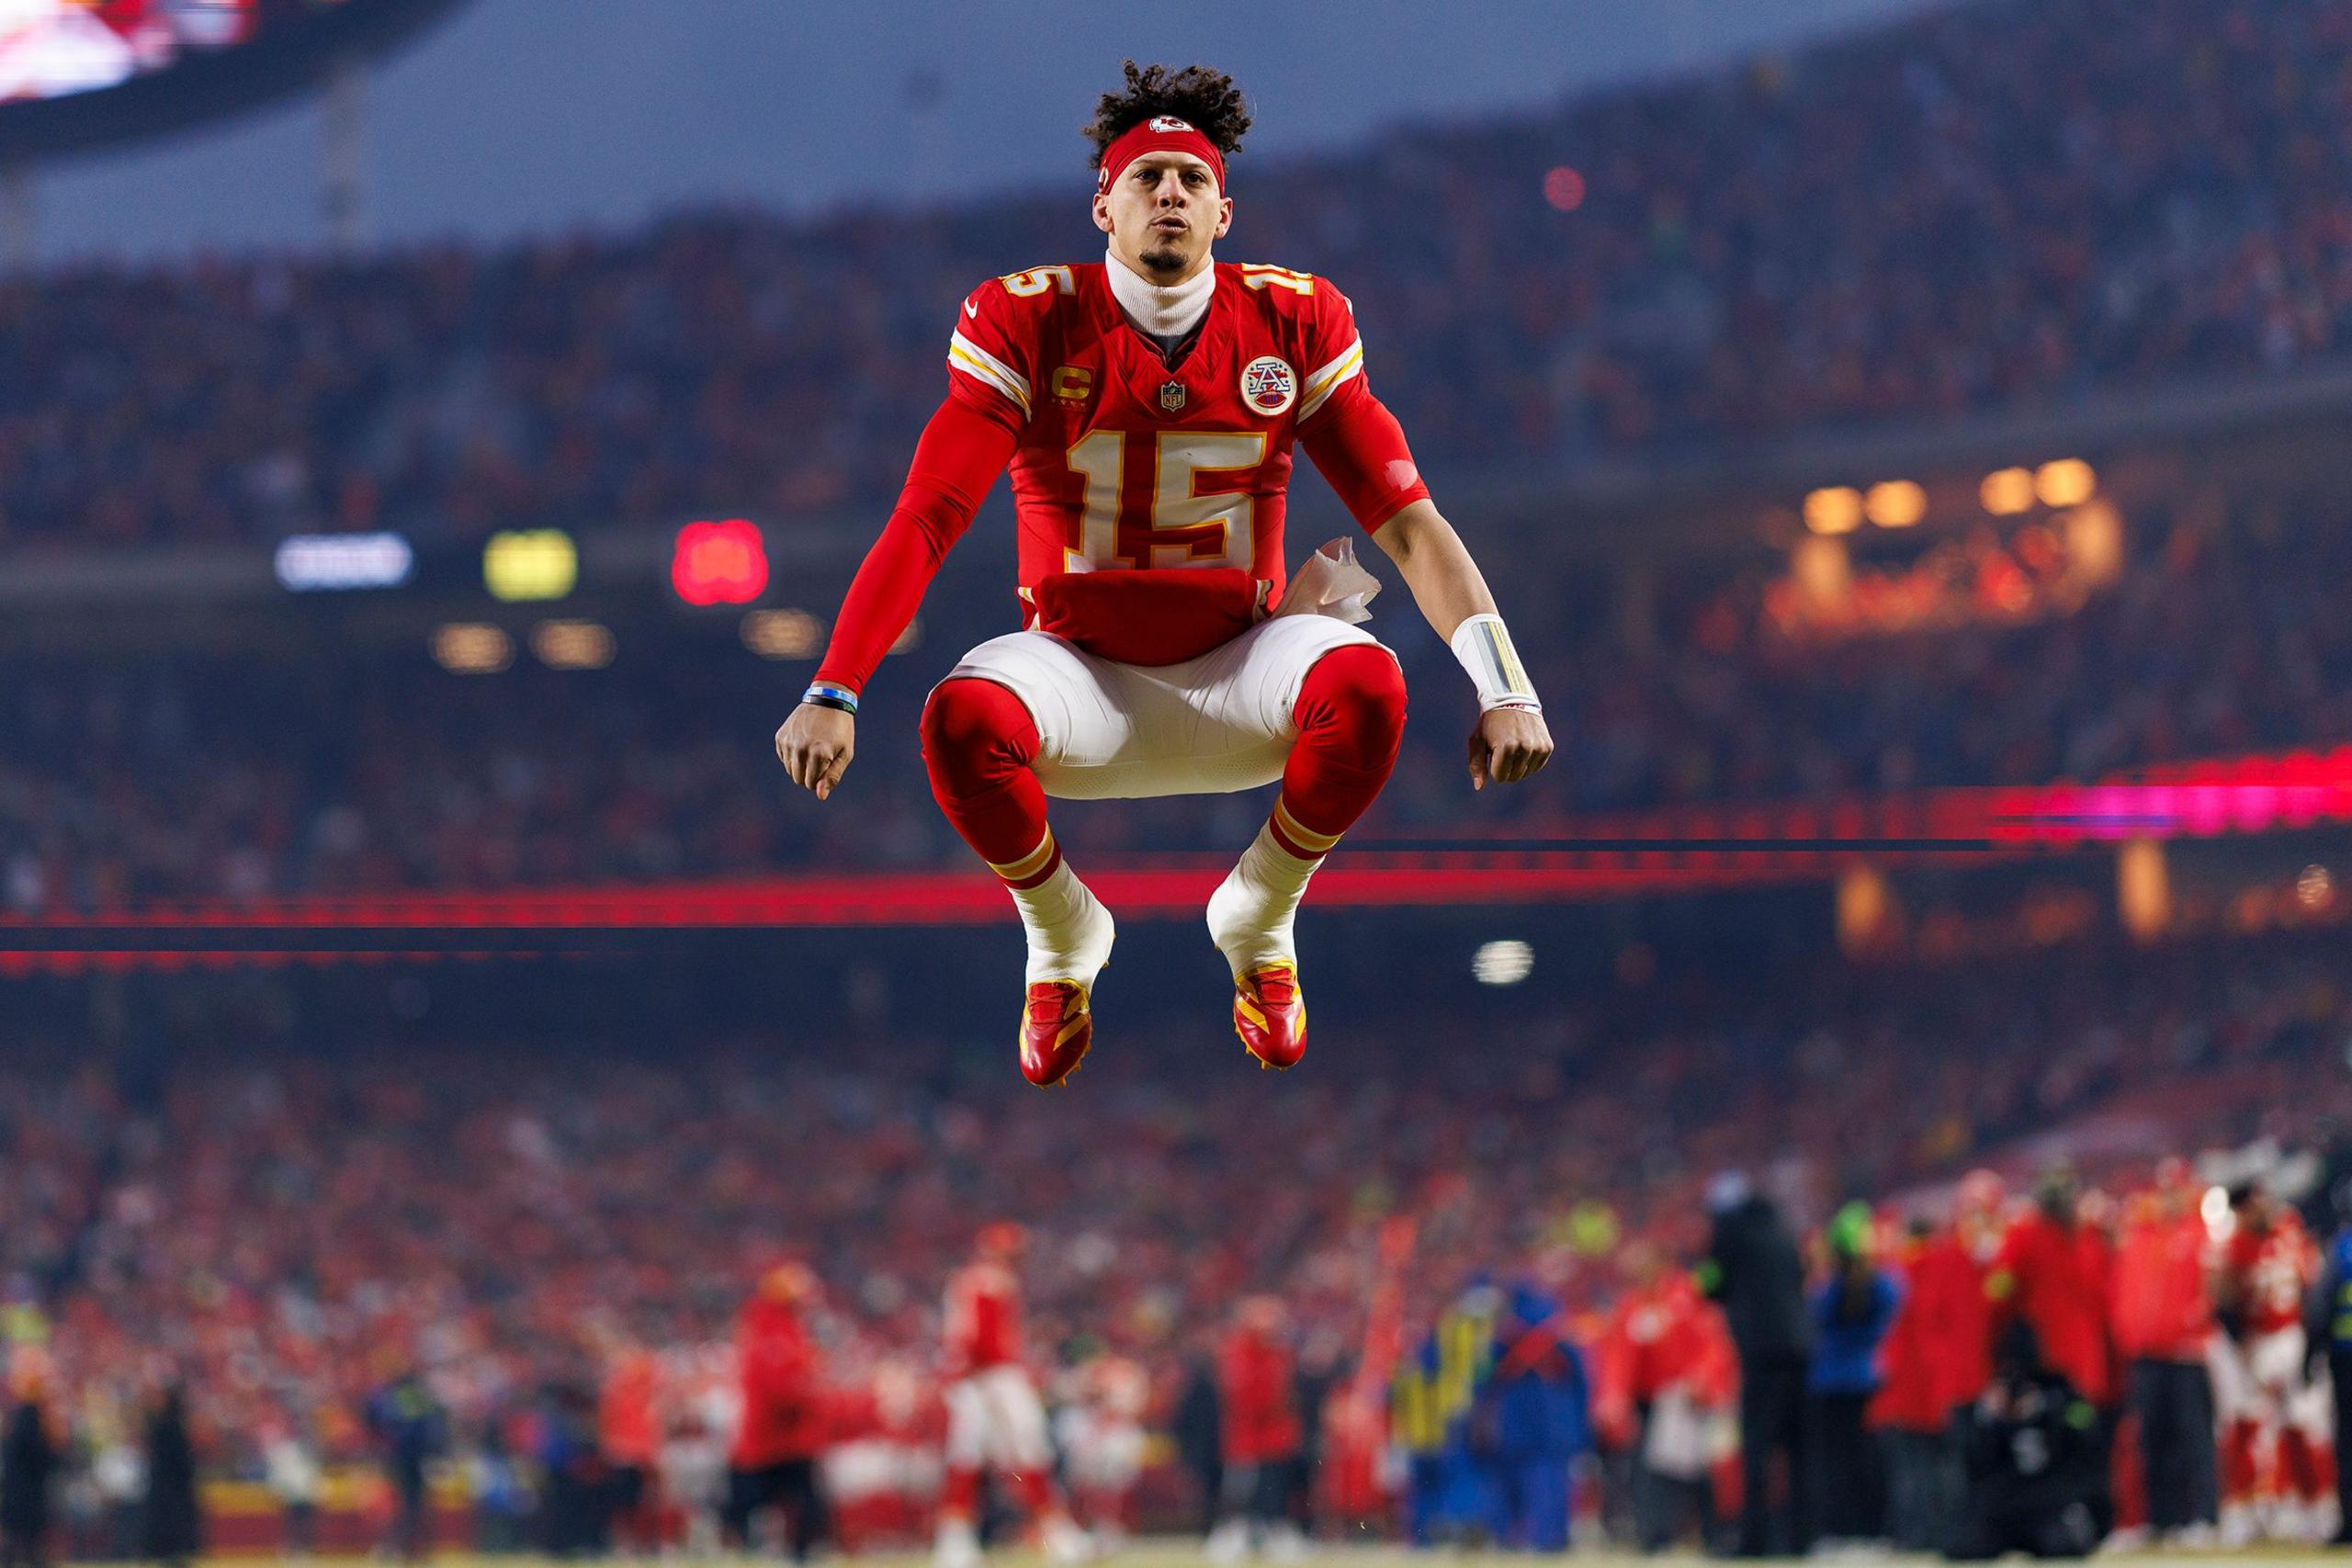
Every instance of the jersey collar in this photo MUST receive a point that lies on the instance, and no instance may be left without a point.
(1162, 313)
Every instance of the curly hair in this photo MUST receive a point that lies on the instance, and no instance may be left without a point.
(1208, 98)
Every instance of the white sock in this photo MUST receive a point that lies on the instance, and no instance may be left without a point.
(1069, 930)
(1251, 912)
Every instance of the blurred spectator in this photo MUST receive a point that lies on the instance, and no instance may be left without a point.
(629, 1436)
(783, 1422)
(1852, 1309)
(1537, 1400)
(29, 1463)
(2164, 1329)
(1655, 1397)
(2037, 1471)
(1256, 1392)
(1198, 1428)
(290, 1468)
(1909, 1413)
(172, 1528)
(2328, 1323)
(1753, 1269)
(2053, 1275)
(410, 1430)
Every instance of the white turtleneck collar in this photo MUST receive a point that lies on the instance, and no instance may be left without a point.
(1163, 313)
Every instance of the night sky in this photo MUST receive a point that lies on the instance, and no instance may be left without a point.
(525, 116)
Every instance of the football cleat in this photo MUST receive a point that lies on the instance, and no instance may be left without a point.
(1270, 1014)
(1056, 1027)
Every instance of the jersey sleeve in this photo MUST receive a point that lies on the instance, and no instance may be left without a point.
(1354, 440)
(992, 353)
(1333, 353)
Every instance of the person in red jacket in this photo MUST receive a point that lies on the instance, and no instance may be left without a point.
(1659, 1372)
(2164, 1330)
(630, 1440)
(1909, 1411)
(1939, 1360)
(784, 1424)
(1257, 1379)
(2053, 1275)
(2052, 1272)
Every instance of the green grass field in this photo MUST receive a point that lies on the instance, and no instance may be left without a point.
(1185, 1553)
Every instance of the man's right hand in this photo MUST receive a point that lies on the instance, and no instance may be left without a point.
(815, 746)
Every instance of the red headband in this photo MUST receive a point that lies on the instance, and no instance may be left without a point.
(1160, 134)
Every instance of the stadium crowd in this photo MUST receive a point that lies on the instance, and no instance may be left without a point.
(140, 780)
(1989, 204)
(289, 1235)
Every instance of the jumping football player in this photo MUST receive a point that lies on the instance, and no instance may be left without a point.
(1147, 404)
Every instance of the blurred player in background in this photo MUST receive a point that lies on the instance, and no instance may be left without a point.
(2275, 1454)
(629, 1435)
(1257, 1375)
(1100, 1429)
(1147, 404)
(995, 1421)
(783, 1426)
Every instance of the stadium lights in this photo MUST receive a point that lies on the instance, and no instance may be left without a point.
(2007, 492)
(2315, 888)
(311, 562)
(472, 648)
(1897, 504)
(1835, 510)
(1564, 187)
(1502, 962)
(573, 644)
(782, 634)
(536, 563)
(719, 563)
(2069, 481)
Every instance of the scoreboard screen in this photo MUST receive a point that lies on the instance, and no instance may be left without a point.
(78, 72)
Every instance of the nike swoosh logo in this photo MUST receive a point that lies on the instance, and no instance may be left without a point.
(971, 309)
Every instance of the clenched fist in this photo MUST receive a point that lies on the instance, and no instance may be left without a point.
(815, 746)
(1508, 745)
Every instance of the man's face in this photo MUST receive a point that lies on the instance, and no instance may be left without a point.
(1162, 214)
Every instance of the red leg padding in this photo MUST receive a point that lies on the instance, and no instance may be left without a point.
(1351, 718)
(978, 743)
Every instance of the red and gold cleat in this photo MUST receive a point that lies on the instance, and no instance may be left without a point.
(1269, 1015)
(1056, 1027)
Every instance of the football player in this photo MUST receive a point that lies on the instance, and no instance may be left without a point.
(995, 1420)
(1147, 404)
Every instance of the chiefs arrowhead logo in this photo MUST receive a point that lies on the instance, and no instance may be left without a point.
(1164, 123)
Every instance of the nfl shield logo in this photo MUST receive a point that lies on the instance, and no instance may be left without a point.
(1171, 396)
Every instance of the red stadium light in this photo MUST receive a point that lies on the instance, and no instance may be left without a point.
(1564, 189)
(719, 563)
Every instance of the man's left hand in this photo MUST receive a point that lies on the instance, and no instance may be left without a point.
(1508, 745)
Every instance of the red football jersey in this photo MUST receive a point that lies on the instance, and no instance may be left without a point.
(983, 1324)
(1128, 463)
(2268, 1273)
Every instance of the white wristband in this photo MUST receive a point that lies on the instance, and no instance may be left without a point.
(1483, 645)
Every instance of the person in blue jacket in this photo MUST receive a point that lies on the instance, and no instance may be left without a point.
(1533, 1418)
(1852, 1310)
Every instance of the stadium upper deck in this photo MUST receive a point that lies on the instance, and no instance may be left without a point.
(1997, 204)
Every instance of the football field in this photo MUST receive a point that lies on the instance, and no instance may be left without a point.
(1178, 1553)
